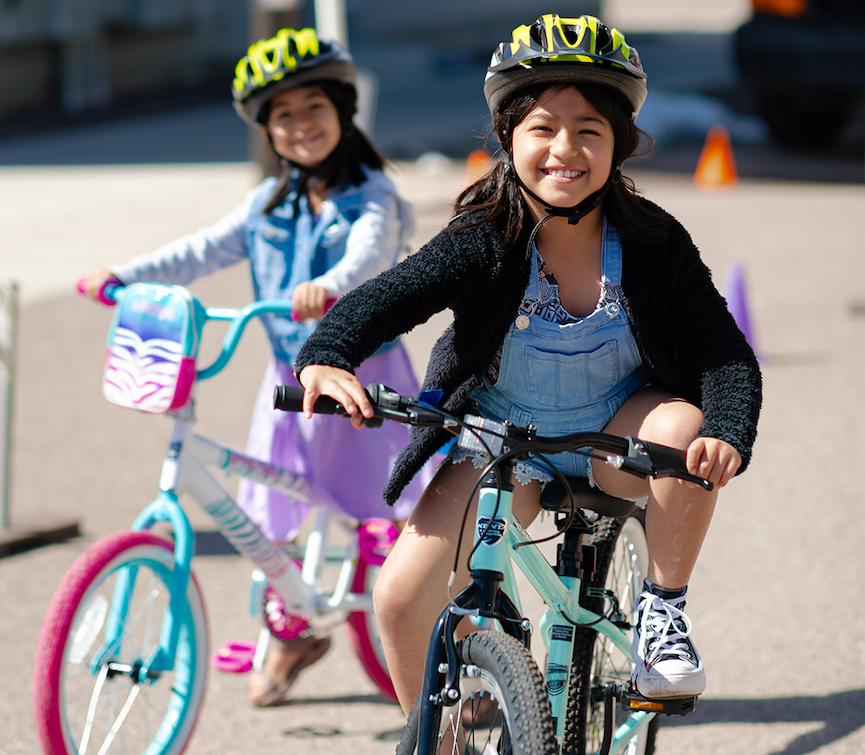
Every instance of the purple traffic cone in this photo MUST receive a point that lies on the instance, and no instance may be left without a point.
(737, 302)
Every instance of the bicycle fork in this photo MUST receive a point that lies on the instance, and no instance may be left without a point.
(482, 600)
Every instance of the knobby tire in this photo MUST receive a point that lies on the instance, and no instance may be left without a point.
(498, 675)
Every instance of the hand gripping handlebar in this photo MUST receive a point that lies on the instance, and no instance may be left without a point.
(637, 457)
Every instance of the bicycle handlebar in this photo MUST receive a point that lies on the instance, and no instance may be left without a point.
(632, 455)
(387, 404)
(112, 290)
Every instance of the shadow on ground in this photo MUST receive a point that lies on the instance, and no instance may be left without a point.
(839, 713)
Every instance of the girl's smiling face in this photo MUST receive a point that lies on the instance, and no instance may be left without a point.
(304, 126)
(563, 148)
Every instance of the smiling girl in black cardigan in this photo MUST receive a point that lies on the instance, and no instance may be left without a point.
(550, 250)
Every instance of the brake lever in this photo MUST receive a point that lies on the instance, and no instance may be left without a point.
(639, 462)
(394, 406)
(387, 404)
(685, 477)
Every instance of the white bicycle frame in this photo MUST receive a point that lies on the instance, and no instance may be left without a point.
(185, 470)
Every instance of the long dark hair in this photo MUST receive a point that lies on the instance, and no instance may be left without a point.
(344, 166)
(496, 197)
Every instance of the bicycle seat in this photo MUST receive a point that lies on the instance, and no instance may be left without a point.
(555, 498)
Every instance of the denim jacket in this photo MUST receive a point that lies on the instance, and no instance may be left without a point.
(359, 233)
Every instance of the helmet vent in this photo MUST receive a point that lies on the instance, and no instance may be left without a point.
(538, 34)
(571, 34)
(603, 40)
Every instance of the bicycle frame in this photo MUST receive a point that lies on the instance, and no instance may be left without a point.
(561, 596)
(502, 544)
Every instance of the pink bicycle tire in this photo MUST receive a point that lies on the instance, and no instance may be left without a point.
(90, 569)
(363, 635)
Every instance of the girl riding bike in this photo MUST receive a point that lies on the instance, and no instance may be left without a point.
(331, 220)
(578, 306)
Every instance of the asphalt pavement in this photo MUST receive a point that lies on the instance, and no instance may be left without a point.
(775, 599)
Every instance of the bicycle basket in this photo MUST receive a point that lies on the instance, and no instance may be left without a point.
(152, 345)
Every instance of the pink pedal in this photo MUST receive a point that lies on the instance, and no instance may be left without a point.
(234, 656)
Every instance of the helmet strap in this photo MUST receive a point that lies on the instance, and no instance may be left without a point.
(573, 214)
(576, 213)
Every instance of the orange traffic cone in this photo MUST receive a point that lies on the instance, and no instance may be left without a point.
(477, 165)
(716, 168)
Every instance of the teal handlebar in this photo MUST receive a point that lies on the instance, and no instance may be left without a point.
(239, 319)
(113, 290)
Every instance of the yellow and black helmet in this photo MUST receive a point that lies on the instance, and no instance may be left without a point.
(293, 58)
(555, 49)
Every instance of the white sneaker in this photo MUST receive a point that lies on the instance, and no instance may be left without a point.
(667, 665)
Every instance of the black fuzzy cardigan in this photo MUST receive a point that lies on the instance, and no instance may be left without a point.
(687, 338)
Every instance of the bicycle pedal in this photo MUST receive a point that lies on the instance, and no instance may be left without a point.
(634, 701)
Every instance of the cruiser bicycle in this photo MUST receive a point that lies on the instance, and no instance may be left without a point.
(122, 657)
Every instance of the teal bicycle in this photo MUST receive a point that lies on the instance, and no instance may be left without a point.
(490, 677)
(122, 658)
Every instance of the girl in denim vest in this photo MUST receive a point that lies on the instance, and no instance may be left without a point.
(330, 221)
(578, 306)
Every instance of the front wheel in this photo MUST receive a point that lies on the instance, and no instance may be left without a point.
(88, 696)
(622, 558)
(502, 708)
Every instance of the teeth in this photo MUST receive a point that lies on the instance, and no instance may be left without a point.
(565, 173)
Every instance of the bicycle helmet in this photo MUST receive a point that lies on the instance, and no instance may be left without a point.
(289, 60)
(569, 50)
(557, 50)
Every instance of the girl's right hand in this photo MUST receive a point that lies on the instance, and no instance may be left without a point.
(310, 301)
(95, 280)
(321, 380)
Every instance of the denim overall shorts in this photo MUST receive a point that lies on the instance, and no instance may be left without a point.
(566, 377)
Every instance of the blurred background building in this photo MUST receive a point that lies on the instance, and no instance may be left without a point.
(69, 57)
(66, 62)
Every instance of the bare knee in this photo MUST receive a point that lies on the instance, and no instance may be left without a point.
(389, 598)
(673, 422)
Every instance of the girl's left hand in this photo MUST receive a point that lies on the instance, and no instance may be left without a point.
(713, 460)
(309, 301)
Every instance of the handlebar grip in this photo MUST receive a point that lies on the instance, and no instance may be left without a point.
(327, 305)
(666, 458)
(106, 292)
(289, 398)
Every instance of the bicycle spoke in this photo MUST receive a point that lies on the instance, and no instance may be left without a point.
(502, 707)
(97, 701)
(91, 710)
(118, 722)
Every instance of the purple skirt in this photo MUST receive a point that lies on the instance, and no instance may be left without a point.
(347, 468)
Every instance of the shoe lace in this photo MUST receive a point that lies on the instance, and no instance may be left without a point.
(664, 627)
